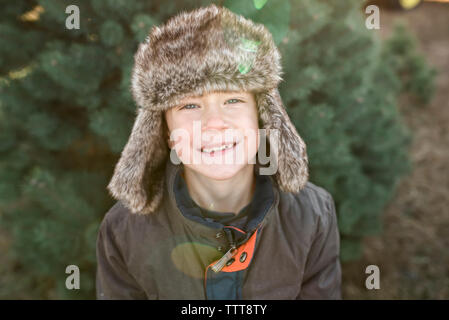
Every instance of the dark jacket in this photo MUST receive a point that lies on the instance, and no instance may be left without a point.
(287, 247)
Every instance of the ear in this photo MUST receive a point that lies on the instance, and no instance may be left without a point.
(137, 181)
(287, 147)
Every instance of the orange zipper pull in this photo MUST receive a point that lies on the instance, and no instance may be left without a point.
(217, 266)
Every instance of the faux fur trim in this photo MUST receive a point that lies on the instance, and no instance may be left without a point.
(138, 179)
(292, 160)
(205, 50)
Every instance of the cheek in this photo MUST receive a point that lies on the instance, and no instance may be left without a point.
(252, 139)
(180, 139)
(186, 140)
(250, 127)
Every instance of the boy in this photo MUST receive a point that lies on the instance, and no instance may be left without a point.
(199, 214)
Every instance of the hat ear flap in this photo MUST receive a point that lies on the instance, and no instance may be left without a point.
(287, 148)
(138, 179)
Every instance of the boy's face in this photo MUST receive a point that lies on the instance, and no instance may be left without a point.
(216, 134)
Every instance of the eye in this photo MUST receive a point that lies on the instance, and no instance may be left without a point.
(188, 107)
(235, 100)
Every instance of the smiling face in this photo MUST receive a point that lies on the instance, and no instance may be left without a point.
(216, 134)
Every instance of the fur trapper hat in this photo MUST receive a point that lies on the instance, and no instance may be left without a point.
(204, 50)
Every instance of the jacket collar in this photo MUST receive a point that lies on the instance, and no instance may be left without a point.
(210, 229)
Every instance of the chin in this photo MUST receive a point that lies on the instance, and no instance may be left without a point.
(217, 171)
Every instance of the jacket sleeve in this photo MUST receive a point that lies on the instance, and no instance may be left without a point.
(322, 276)
(113, 281)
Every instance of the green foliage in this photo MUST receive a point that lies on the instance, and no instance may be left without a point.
(341, 88)
(402, 54)
(140, 25)
(66, 113)
(111, 33)
(275, 15)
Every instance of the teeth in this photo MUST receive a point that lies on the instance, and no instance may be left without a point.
(215, 149)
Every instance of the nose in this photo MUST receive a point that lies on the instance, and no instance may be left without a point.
(213, 119)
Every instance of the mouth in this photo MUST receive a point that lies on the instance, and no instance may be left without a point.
(219, 150)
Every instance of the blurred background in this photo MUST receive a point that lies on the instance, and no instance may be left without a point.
(370, 103)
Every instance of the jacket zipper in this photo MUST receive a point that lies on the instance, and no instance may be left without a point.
(217, 266)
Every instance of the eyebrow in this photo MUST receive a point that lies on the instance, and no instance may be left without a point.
(227, 92)
(236, 94)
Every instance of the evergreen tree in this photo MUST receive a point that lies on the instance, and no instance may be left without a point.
(66, 112)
